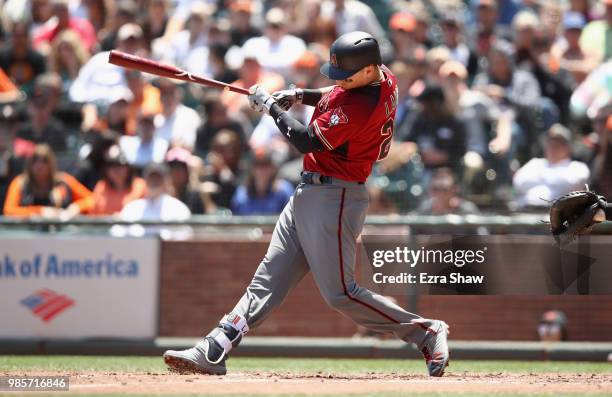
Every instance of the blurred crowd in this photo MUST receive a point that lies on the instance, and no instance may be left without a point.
(503, 105)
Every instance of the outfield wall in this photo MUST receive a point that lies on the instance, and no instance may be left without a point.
(184, 287)
(201, 280)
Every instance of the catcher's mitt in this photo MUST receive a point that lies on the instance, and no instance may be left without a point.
(574, 214)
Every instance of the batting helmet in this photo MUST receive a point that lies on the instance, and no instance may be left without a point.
(350, 53)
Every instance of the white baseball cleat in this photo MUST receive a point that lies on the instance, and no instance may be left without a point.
(195, 359)
(435, 348)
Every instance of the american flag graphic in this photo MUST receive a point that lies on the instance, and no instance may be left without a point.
(47, 304)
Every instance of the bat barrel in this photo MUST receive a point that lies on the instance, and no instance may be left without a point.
(160, 69)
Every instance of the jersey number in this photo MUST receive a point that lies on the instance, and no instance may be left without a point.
(387, 133)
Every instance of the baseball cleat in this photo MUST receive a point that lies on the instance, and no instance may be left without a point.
(435, 348)
(196, 359)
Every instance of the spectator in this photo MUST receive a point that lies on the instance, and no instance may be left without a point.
(541, 180)
(61, 22)
(10, 165)
(351, 15)
(593, 93)
(35, 11)
(444, 198)
(144, 147)
(145, 98)
(118, 186)
(68, 55)
(488, 127)
(602, 163)
(42, 190)
(533, 47)
(41, 126)
(402, 25)
(321, 32)
(505, 83)
(486, 15)
(440, 136)
(240, 21)
(421, 32)
(262, 193)
(573, 58)
(91, 156)
(220, 69)
(276, 51)
(189, 47)
(97, 12)
(8, 90)
(250, 73)
(583, 7)
(97, 77)
(553, 326)
(516, 90)
(408, 82)
(452, 30)
(123, 13)
(305, 72)
(217, 119)
(176, 124)
(19, 60)
(158, 204)
(180, 162)
(435, 58)
(114, 114)
(155, 20)
(595, 37)
(222, 167)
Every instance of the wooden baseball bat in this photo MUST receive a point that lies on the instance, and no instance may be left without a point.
(130, 61)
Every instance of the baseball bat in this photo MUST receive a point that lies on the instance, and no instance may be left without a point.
(130, 61)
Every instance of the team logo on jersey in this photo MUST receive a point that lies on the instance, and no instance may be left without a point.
(338, 117)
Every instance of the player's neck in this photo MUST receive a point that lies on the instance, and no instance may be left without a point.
(378, 77)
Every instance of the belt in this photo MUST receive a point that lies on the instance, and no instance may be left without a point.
(314, 178)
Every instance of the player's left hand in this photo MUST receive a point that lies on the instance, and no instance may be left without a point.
(287, 98)
(259, 99)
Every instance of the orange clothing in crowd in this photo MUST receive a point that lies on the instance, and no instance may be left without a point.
(6, 85)
(108, 201)
(150, 103)
(67, 190)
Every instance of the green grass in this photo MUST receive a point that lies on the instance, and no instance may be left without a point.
(310, 365)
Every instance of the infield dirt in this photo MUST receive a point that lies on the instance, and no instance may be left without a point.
(278, 383)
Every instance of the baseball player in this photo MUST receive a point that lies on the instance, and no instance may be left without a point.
(351, 128)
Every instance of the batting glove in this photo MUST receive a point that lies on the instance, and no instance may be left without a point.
(287, 98)
(259, 99)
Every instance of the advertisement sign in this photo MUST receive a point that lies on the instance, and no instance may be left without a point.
(78, 287)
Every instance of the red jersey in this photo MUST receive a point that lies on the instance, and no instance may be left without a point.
(355, 127)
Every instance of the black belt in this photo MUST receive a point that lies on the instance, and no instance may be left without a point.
(314, 178)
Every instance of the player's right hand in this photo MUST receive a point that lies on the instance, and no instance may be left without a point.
(286, 98)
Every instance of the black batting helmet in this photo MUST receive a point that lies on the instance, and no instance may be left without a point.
(350, 53)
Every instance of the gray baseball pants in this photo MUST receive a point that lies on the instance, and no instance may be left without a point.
(322, 223)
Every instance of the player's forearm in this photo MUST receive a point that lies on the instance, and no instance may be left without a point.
(302, 137)
(312, 96)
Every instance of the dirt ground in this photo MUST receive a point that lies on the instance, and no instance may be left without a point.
(322, 383)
